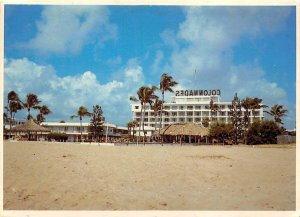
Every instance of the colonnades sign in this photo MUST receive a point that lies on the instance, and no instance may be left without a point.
(198, 92)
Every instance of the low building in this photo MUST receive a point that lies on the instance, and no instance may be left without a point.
(72, 130)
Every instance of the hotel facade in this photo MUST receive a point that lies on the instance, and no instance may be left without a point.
(190, 106)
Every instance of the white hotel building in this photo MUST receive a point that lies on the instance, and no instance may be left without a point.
(72, 130)
(189, 106)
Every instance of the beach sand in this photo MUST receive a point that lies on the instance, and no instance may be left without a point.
(66, 176)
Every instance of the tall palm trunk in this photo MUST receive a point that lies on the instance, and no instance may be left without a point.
(160, 121)
(155, 122)
(144, 125)
(10, 124)
(140, 124)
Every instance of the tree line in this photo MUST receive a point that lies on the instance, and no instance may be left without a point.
(31, 102)
(239, 129)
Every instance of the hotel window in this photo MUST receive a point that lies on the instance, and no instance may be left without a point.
(136, 107)
(77, 128)
(174, 114)
(197, 120)
(197, 113)
(190, 107)
(166, 119)
(166, 113)
(66, 129)
(189, 113)
(152, 114)
(207, 107)
(146, 119)
(167, 107)
(181, 119)
(197, 107)
(190, 120)
(181, 113)
(146, 113)
(205, 114)
(174, 119)
(138, 114)
(174, 107)
(181, 107)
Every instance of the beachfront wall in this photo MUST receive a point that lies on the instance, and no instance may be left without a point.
(189, 109)
(72, 130)
(285, 139)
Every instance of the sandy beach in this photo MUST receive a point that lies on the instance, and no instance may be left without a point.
(53, 176)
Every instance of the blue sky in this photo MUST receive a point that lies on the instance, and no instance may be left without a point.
(86, 55)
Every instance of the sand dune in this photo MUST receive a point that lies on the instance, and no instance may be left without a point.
(51, 176)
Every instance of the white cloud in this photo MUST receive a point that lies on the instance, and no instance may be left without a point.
(157, 61)
(203, 50)
(80, 25)
(65, 94)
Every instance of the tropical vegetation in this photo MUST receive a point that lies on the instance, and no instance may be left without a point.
(96, 122)
(263, 132)
(82, 112)
(146, 95)
(277, 112)
(166, 85)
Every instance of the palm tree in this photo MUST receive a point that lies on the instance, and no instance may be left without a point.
(13, 106)
(82, 112)
(32, 101)
(44, 110)
(256, 103)
(277, 111)
(134, 124)
(156, 107)
(165, 85)
(134, 99)
(146, 96)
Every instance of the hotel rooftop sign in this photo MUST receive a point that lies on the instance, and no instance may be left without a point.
(198, 93)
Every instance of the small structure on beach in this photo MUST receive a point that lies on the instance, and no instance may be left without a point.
(183, 132)
(31, 129)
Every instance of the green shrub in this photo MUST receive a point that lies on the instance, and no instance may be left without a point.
(221, 131)
(263, 132)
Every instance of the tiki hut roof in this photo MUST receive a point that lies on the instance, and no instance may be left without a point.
(30, 126)
(184, 129)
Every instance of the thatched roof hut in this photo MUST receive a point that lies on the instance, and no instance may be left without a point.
(30, 126)
(183, 129)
